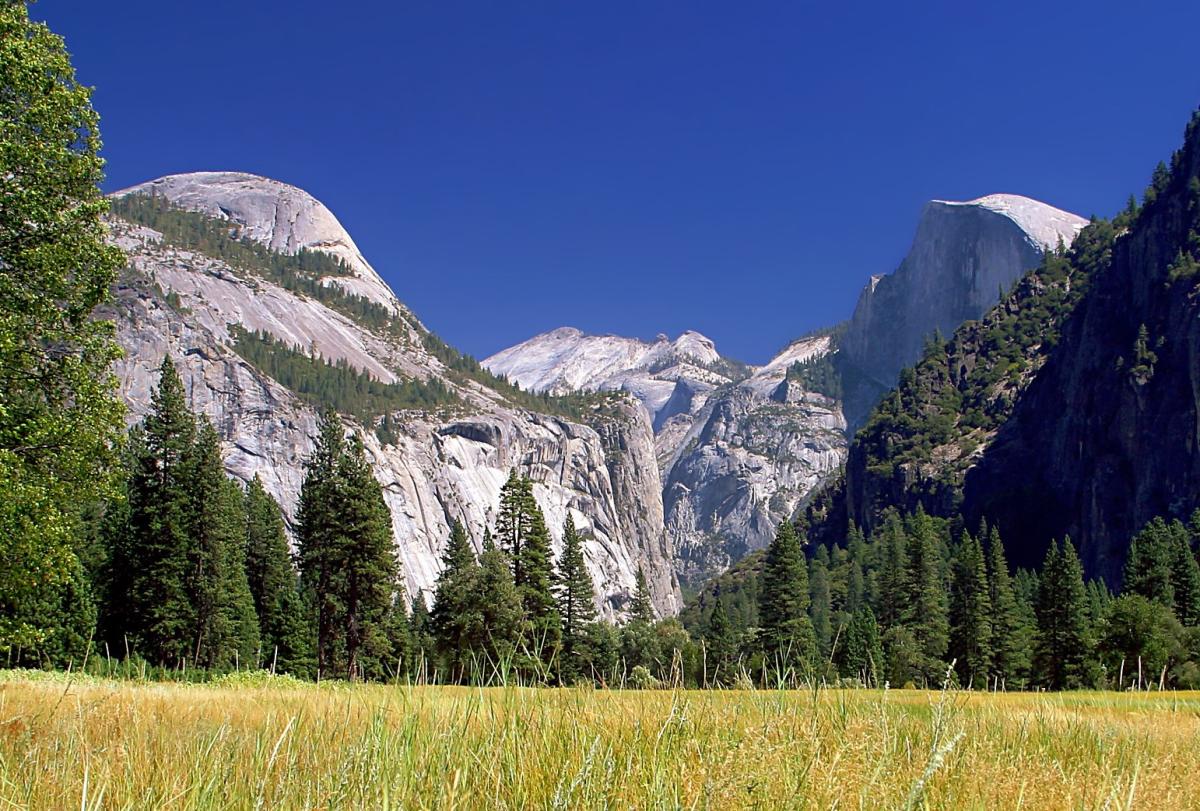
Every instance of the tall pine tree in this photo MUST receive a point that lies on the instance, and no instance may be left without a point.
(924, 592)
(820, 605)
(225, 630)
(159, 613)
(347, 557)
(576, 604)
(521, 531)
(971, 615)
(1012, 634)
(1062, 655)
(789, 643)
(455, 620)
(274, 586)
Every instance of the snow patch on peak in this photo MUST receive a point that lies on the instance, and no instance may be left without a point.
(1045, 224)
(282, 217)
(567, 359)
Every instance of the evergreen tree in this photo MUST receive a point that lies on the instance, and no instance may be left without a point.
(820, 605)
(576, 604)
(971, 615)
(156, 553)
(1062, 653)
(893, 558)
(1148, 564)
(367, 568)
(521, 530)
(399, 639)
(224, 630)
(1012, 634)
(60, 417)
(721, 641)
(319, 539)
(862, 655)
(641, 609)
(348, 563)
(499, 606)
(1185, 577)
(856, 588)
(789, 643)
(924, 593)
(423, 648)
(274, 585)
(456, 622)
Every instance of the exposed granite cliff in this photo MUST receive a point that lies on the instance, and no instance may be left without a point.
(439, 465)
(739, 448)
(963, 257)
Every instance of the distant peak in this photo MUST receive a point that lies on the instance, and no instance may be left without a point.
(1044, 223)
(564, 333)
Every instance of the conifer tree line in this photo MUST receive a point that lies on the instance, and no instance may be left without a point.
(924, 599)
(187, 572)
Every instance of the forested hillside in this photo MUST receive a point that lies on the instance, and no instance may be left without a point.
(1068, 409)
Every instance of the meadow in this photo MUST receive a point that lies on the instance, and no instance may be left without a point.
(258, 742)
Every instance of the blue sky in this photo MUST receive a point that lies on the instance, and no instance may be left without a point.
(636, 168)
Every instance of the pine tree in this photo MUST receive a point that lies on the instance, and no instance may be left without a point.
(422, 645)
(862, 655)
(319, 537)
(971, 615)
(924, 593)
(721, 642)
(512, 520)
(348, 562)
(1011, 632)
(521, 531)
(399, 639)
(891, 544)
(789, 643)
(274, 586)
(576, 604)
(499, 605)
(1148, 564)
(1185, 577)
(641, 609)
(456, 623)
(367, 568)
(156, 553)
(224, 630)
(820, 606)
(1063, 649)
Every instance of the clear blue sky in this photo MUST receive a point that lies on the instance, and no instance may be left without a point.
(645, 167)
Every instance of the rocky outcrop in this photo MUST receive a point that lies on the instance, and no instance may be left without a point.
(963, 257)
(752, 454)
(739, 448)
(436, 466)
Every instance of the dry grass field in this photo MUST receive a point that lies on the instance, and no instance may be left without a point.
(258, 743)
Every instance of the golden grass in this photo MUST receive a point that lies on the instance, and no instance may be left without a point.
(101, 744)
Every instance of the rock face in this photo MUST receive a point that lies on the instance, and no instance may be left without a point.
(439, 465)
(739, 448)
(752, 452)
(963, 256)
